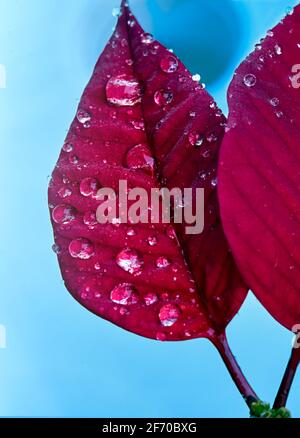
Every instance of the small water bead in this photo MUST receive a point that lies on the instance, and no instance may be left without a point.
(129, 62)
(138, 124)
(249, 80)
(162, 262)
(89, 187)
(196, 139)
(278, 49)
(123, 90)
(123, 311)
(83, 117)
(169, 314)
(131, 23)
(212, 137)
(97, 266)
(270, 33)
(81, 249)
(68, 147)
(90, 219)
(63, 214)
(131, 232)
(196, 77)
(124, 42)
(160, 336)
(64, 192)
(73, 159)
(140, 157)
(214, 182)
(56, 248)
(147, 38)
(125, 294)
(279, 114)
(169, 64)
(150, 298)
(130, 261)
(152, 241)
(289, 10)
(274, 101)
(192, 113)
(163, 97)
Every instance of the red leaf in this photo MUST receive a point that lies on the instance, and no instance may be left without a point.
(143, 119)
(259, 171)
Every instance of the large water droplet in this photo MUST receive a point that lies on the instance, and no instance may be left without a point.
(139, 157)
(125, 294)
(83, 117)
(169, 314)
(63, 214)
(130, 261)
(81, 249)
(89, 187)
(249, 80)
(163, 97)
(123, 90)
(169, 64)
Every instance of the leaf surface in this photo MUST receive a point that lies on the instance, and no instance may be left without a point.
(143, 119)
(259, 171)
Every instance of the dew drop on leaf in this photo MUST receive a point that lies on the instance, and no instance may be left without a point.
(130, 261)
(81, 249)
(63, 214)
(123, 90)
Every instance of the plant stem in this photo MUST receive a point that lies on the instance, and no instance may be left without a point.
(287, 380)
(220, 342)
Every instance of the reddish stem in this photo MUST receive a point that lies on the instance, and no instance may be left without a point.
(287, 380)
(220, 342)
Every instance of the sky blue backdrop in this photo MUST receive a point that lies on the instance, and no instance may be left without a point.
(61, 360)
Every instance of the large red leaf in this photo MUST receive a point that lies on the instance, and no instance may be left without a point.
(259, 170)
(141, 109)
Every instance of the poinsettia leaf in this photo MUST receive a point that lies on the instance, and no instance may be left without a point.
(259, 171)
(144, 120)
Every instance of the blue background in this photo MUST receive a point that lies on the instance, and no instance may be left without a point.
(61, 360)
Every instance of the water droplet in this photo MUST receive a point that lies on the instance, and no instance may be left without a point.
(131, 23)
(214, 182)
(90, 219)
(81, 248)
(56, 248)
(123, 90)
(138, 124)
(196, 139)
(249, 80)
(64, 192)
(89, 187)
(139, 157)
(63, 214)
(129, 61)
(147, 38)
(278, 49)
(162, 262)
(163, 97)
(130, 261)
(289, 10)
(73, 159)
(169, 64)
(152, 240)
(160, 336)
(211, 138)
(150, 298)
(83, 117)
(270, 33)
(131, 232)
(196, 77)
(68, 147)
(274, 101)
(125, 294)
(192, 113)
(169, 314)
(279, 114)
